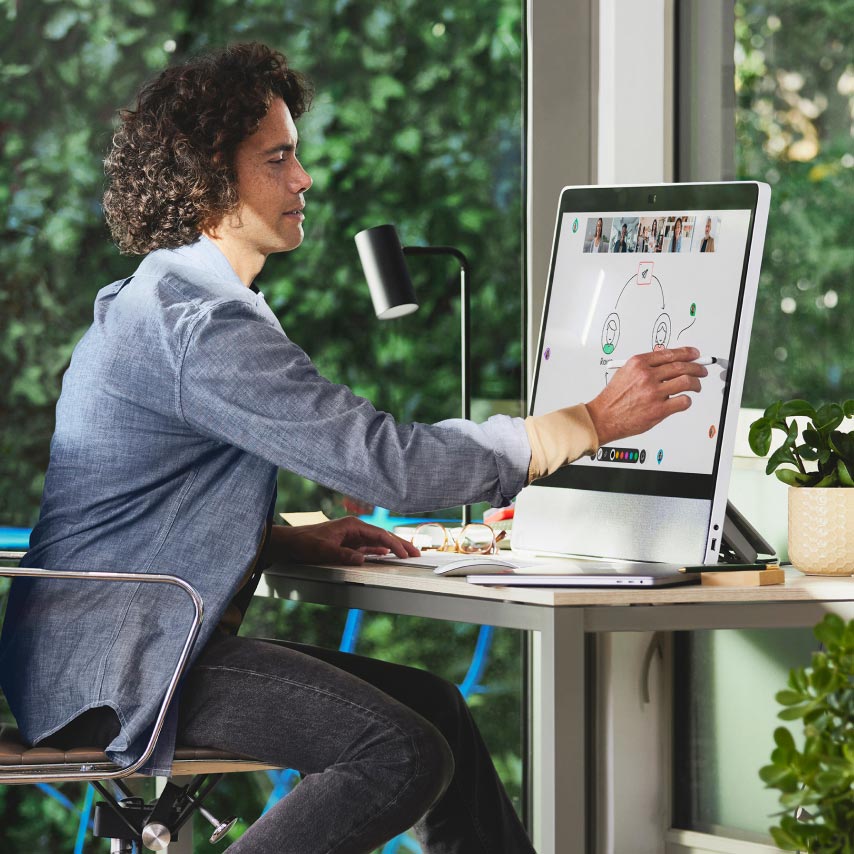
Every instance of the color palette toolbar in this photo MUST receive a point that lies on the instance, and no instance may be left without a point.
(620, 455)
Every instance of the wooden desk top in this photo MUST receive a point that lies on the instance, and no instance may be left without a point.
(798, 588)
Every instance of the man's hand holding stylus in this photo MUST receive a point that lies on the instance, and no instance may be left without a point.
(644, 392)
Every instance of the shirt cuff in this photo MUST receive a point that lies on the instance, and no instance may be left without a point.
(558, 438)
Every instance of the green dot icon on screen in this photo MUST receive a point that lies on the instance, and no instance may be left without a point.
(693, 311)
(575, 225)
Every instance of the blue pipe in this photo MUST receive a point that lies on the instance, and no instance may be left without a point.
(84, 819)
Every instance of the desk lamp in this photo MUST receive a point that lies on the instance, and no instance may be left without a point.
(382, 257)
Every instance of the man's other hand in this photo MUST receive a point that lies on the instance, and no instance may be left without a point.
(345, 540)
(647, 389)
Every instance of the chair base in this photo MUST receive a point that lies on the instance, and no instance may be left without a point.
(154, 826)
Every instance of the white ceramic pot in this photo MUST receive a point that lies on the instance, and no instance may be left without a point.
(821, 530)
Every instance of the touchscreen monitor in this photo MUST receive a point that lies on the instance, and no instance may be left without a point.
(636, 269)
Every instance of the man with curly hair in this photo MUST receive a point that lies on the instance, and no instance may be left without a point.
(181, 402)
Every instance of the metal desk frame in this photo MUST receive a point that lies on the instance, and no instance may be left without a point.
(561, 676)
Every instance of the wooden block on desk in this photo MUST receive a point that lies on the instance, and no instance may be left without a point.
(744, 578)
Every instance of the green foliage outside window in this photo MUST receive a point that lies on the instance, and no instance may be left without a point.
(417, 121)
(795, 106)
(813, 769)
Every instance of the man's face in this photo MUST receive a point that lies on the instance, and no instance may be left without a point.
(708, 227)
(270, 185)
(624, 229)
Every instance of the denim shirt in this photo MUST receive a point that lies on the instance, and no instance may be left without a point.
(182, 400)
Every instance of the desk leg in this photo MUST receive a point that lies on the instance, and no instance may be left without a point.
(558, 788)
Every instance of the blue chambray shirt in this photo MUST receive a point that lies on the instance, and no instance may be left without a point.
(180, 403)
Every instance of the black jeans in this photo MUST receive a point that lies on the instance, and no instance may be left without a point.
(380, 747)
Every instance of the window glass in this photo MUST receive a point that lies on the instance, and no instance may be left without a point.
(794, 80)
(417, 121)
(794, 122)
(724, 720)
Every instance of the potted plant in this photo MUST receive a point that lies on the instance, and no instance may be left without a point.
(815, 773)
(817, 463)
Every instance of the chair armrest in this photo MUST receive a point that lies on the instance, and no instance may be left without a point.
(189, 641)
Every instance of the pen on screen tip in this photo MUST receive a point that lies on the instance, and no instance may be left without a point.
(703, 360)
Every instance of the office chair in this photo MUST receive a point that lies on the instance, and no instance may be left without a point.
(127, 821)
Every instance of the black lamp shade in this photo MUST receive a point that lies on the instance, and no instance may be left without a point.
(381, 254)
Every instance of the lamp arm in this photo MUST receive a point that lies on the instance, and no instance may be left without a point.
(465, 314)
(465, 326)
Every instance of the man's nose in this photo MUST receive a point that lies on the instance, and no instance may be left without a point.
(302, 180)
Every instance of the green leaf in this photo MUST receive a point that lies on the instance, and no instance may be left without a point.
(777, 777)
(828, 417)
(759, 437)
(792, 434)
(792, 713)
(784, 840)
(9, 71)
(829, 779)
(830, 630)
(794, 478)
(798, 679)
(822, 679)
(829, 481)
(814, 438)
(848, 408)
(782, 455)
(794, 796)
(843, 444)
(787, 698)
(844, 475)
(772, 412)
(807, 452)
(59, 24)
(408, 141)
(383, 89)
(143, 8)
(796, 407)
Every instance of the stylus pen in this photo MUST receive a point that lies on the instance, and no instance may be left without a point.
(703, 360)
(728, 567)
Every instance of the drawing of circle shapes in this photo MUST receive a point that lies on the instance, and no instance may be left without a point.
(610, 333)
(661, 332)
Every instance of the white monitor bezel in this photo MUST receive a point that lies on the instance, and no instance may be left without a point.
(543, 516)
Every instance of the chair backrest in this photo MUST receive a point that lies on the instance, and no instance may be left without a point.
(126, 822)
(78, 767)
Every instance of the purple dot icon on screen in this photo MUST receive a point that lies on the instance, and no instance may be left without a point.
(547, 353)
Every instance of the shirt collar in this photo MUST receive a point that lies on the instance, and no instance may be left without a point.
(205, 253)
(201, 254)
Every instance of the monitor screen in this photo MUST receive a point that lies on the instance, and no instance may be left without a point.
(630, 280)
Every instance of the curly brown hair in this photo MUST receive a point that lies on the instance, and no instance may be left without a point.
(170, 171)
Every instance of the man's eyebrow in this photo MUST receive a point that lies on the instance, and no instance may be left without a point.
(284, 146)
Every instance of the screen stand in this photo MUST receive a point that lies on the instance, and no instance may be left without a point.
(741, 542)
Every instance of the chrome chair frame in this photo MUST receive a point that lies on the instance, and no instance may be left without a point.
(176, 805)
(95, 771)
